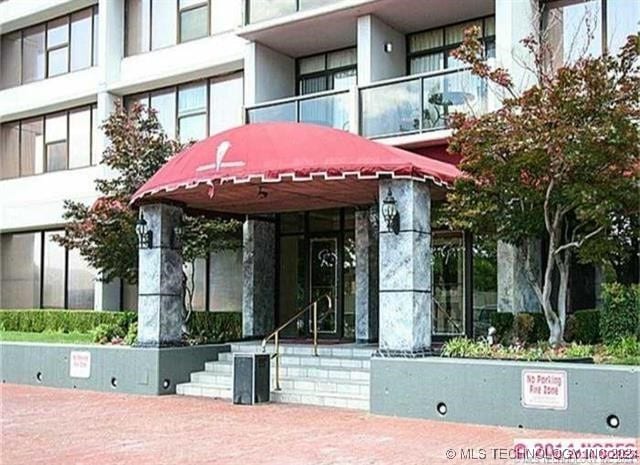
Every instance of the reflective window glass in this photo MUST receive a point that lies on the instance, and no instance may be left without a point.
(81, 39)
(53, 277)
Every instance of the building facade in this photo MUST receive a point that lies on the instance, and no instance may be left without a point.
(381, 69)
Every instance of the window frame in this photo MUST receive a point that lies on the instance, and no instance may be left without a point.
(69, 43)
(178, 12)
(327, 73)
(446, 48)
(146, 97)
(92, 161)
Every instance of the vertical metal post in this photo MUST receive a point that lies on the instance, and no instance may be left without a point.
(277, 344)
(315, 328)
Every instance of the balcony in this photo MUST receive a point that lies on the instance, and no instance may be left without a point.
(422, 103)
(326, 108)
(409, 105)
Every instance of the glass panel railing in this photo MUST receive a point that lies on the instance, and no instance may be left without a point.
(262, 10)
(279, 112)
(419, 104)
(327, 110)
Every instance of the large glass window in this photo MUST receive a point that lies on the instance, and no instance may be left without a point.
(34, 265)
(448, 283)
(194, 110)
(326, 71)
(69, 143)
(431, 50)
(194, 19)
(33, 54)
(485, 286)
(81, 53)
(20, 256)
(155, 24)
(226, 100)
(53, 286)
(10, 59)
(67, 43)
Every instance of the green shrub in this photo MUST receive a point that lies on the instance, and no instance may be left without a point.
(575, 350)
(625, 347)
(65, 321)
(465, 348)
(523, 327)
(215, 327)
(620, 315)
(503, 322)
(526, 327)
(583, 326)
(132, 334)
(107, 332)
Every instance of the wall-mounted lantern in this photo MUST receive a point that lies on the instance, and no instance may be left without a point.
(388, 47)
(145, 236)
(390, 213)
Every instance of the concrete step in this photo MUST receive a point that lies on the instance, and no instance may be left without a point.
(203, 390)
(331, 373)
(313, 361)
(312, 385)
(339, 350)
(326, 399)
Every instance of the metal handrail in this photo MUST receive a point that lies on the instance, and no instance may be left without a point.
(275, 335)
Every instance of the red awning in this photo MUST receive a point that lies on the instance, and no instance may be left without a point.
(276, 167)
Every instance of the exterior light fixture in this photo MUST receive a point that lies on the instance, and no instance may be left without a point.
(390, 213)
(145, 236)
(388, 47)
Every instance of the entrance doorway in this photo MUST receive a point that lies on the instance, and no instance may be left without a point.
(316, 253)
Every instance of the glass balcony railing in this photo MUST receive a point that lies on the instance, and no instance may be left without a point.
(326, 109)
(262, 10)
(416, 104)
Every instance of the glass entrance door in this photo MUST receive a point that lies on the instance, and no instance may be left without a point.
(448, 283)
(323, 277)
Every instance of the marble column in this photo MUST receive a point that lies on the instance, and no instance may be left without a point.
(258, 281)
(515, 293)
(367, 274)
(160, 301)
(405, 270)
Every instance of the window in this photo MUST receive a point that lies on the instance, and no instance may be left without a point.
(192, 112)
(37, 272)
(431, 50)
(48, 143)
(623, 19)
(194, 19)
(20, 256)
(58, 46)
(33, 54)
(155, 24)
(55, 130)
(64, 44)
(326, 71)
(10, 59)
(195, 110)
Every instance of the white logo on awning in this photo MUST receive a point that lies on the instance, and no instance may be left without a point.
(221, 152)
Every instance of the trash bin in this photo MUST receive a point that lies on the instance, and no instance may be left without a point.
(251, 378)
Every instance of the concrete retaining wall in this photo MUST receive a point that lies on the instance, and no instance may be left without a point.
(125, 369)
(490, 392)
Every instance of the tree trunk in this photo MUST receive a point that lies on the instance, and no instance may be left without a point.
(563, 265)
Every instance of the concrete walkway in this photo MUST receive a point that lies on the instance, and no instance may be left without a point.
(56, 426)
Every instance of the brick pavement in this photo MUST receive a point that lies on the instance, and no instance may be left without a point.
(57, 426)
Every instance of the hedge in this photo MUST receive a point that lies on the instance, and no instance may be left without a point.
(66, 321)
(620, 316)
(215, 327)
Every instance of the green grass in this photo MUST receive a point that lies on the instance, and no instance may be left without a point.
(47, 336)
